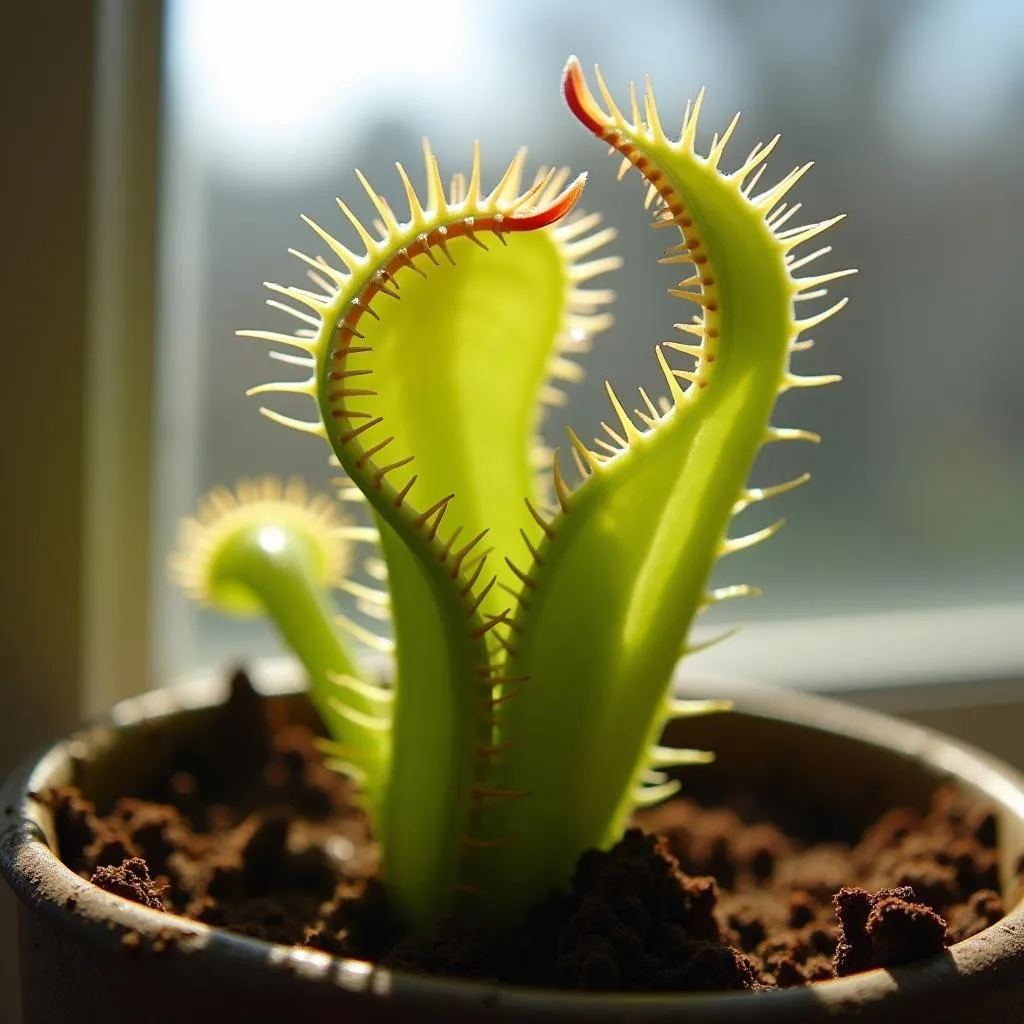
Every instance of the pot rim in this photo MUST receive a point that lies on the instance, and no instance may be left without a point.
(40, 879)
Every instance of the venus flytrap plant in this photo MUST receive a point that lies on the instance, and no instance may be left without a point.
(536, 624)
(273, 550)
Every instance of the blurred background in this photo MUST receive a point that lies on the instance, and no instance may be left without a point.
(910, 112)
(157, 157)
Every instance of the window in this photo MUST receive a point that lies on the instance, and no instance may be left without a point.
(911, 112)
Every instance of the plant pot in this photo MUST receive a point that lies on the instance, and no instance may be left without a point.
(90, 956)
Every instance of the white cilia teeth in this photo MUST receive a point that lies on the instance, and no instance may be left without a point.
(307, 362)
(758, 155)
(314, 427)
(690, 118)
(718, 146)
(629, 428)
(695, 647)
(792, 263)
(676, 757)
(773, 434)
(820, 318)
(295, 341)
(291, 311)
(683, 708)
(797, 236)
(288, 387)
(814, 281)
(780, 215)
(383, 695)
(767, 200)
(794, 381)
(728, 547)
(752, 495)
(648, 796)
(371, 723)
(729, 594)
(365, 636)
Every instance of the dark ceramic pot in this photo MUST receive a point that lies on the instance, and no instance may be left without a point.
(77, 965)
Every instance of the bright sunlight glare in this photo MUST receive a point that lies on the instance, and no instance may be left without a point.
(272, 539)
(272, 87)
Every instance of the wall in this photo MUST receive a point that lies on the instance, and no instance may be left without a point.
(46, 68)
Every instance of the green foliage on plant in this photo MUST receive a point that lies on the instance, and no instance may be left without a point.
(536, 621)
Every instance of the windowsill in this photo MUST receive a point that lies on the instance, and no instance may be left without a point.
(899, 660)
(963, 654)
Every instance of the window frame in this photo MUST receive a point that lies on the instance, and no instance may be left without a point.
(79, 215)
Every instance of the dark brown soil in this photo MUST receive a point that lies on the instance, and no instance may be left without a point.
(130, 879)
(252, 833)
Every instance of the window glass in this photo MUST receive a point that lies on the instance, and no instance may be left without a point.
(911, 112)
